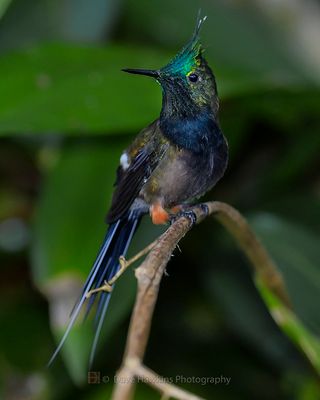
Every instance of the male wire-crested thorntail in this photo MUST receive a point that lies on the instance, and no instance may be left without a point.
(172, 162)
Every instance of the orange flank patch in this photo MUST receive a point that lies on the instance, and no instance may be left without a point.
(158, 214)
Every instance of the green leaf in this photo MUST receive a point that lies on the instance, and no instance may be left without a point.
(29, 22)
(4, 4)
(308, 343)
(61, 88)
(296, 253)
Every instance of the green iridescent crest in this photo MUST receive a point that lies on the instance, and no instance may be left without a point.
(189, 58)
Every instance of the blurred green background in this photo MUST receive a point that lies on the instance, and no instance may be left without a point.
(66, 113)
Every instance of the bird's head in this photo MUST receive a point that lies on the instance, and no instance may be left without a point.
(188, 83)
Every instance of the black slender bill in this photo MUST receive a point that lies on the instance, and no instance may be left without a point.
(147, 72)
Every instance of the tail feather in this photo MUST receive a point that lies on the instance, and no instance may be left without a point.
(112, 266)
(106, 265)
(96, 285)
(104, 305)
(97, 264)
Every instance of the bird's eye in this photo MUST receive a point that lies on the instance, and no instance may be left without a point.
(193, 77)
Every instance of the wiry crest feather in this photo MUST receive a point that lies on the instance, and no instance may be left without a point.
(187, 57)
(200, 21)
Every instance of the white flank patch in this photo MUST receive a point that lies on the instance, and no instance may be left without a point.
(124, 161)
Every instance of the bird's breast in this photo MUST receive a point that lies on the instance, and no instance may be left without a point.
(183, 175)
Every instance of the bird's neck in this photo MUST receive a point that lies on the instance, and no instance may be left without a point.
(178, 103)
(197, 133)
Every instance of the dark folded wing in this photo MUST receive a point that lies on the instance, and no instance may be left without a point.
(130, 181)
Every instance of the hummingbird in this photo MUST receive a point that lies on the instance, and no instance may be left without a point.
(170, 164)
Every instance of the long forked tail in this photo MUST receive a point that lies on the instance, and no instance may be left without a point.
(106, 265)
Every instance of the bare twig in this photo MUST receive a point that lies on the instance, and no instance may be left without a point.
(134, 369)
(149, 275)
(124, 264)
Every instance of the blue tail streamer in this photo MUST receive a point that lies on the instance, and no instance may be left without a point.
(106, 265)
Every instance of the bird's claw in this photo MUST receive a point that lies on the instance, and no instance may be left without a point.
(204, 208)
(190, 214)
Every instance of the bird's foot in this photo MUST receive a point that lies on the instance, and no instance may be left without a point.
(189, 212)
(204, 208)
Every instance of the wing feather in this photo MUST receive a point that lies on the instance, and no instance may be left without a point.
(146, 152)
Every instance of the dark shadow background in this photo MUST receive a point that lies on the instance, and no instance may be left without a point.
(66, 113)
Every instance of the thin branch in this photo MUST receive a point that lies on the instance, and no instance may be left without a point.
(149, 275)
(147, 376)
(124, 264)
(158, 382)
